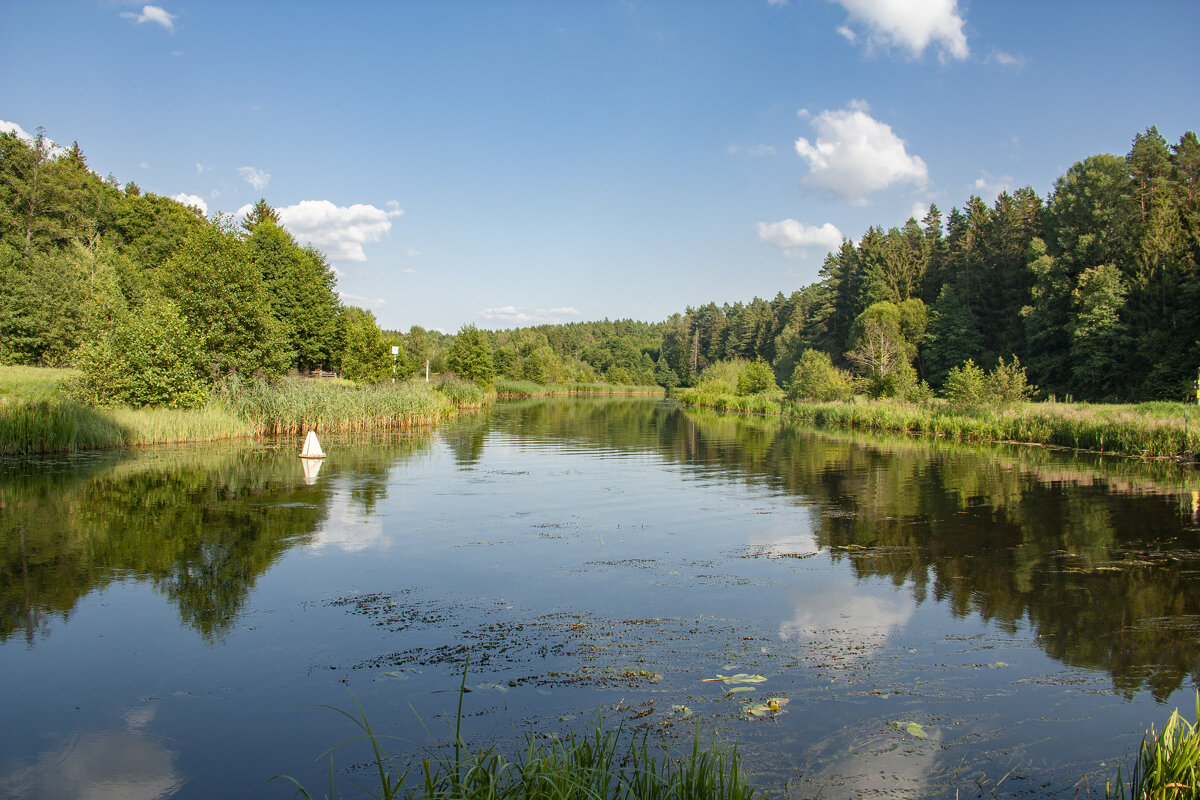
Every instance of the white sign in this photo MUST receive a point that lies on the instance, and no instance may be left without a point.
(395, 350)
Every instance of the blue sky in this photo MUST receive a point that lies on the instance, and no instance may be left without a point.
(508, 163)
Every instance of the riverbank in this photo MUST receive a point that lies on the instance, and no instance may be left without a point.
(507, 389)
(1145, 430)
(39, 415)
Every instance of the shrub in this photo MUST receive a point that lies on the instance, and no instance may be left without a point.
(1007, 384)
(150, 358)
(967, 386)
(755, 378)
(816, 378)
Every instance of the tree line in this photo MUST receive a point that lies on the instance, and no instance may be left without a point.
(1094, 290)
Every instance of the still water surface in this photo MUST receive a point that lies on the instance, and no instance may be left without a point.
(942, 621)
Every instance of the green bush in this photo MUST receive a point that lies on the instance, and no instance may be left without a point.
(755, 378)
(967, 386)
(150, 358)
(1008, 385)
(816, 378)
(471, 356)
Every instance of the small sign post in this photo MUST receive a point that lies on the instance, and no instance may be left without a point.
(395, 352)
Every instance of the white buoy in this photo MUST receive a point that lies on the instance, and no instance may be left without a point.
(312, 448)
(312, 468)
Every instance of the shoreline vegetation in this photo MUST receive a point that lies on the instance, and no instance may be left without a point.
(39, 412)
(1157, 430)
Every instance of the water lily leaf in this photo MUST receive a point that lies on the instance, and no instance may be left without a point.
(773, 706)
(741, 677)
(913, 729)
(740, 689)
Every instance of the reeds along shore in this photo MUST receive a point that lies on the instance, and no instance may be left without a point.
(37, 414)
(1147, 430)
(506, 388)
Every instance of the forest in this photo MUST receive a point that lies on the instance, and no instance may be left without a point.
(1094, 290)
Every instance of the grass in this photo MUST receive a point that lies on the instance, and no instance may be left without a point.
(508, 388)
(592, 766)
(1168, 763)
(1149, 430)
(39, 415)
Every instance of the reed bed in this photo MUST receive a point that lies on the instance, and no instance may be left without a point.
(1150, 430)
(509, 389)
(54, 426)
(295, 406)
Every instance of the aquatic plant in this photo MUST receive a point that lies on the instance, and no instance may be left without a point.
(589, 766)
(1168, 763)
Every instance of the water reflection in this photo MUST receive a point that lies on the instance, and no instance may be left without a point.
(123, 764)
(1100, 556)
(201, 524)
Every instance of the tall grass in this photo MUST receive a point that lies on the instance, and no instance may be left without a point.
(295, 405)
(38, 413)
(1152, 430)
(1167, 765)
(513, 389)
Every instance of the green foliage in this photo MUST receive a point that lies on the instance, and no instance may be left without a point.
(952, 336)
(756, 378)
(222, 294)
(149, 358)
(816, 378)
(1168, 763)
(365, 357)
(967, 386)
(462, 393)
(470, 356)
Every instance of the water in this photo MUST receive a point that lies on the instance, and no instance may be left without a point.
(943, 621)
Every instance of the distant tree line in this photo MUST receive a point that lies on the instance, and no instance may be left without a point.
(1093, 290)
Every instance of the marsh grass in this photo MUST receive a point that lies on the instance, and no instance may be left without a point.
(508, 388)
(38, 412)
(1167, 765)
(1149, 430)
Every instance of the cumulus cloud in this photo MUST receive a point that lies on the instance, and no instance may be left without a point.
(339, 231)
(989, 187)
(255, 177)
(152, 14)
(53, 149)
(848, 33)
(919, 210)
(514, 315)
(856, 155)
(796, 238)
(192, 200)
(912, 25)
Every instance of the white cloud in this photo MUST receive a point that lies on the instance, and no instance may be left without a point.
(412, 253)
(53, 148)
(339, 231)
(795, 238)
(1006, 59)
(255, 177)
(848, 33)
(192, 200)
(856, 155)
(513, 315)
(989, 187)
(361, 301)
(918, 211)
(12, 127)
(912, 25)
(202, 168)
(144, 165)
(152, 14)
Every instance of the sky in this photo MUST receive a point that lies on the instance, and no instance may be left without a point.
(514, 163)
